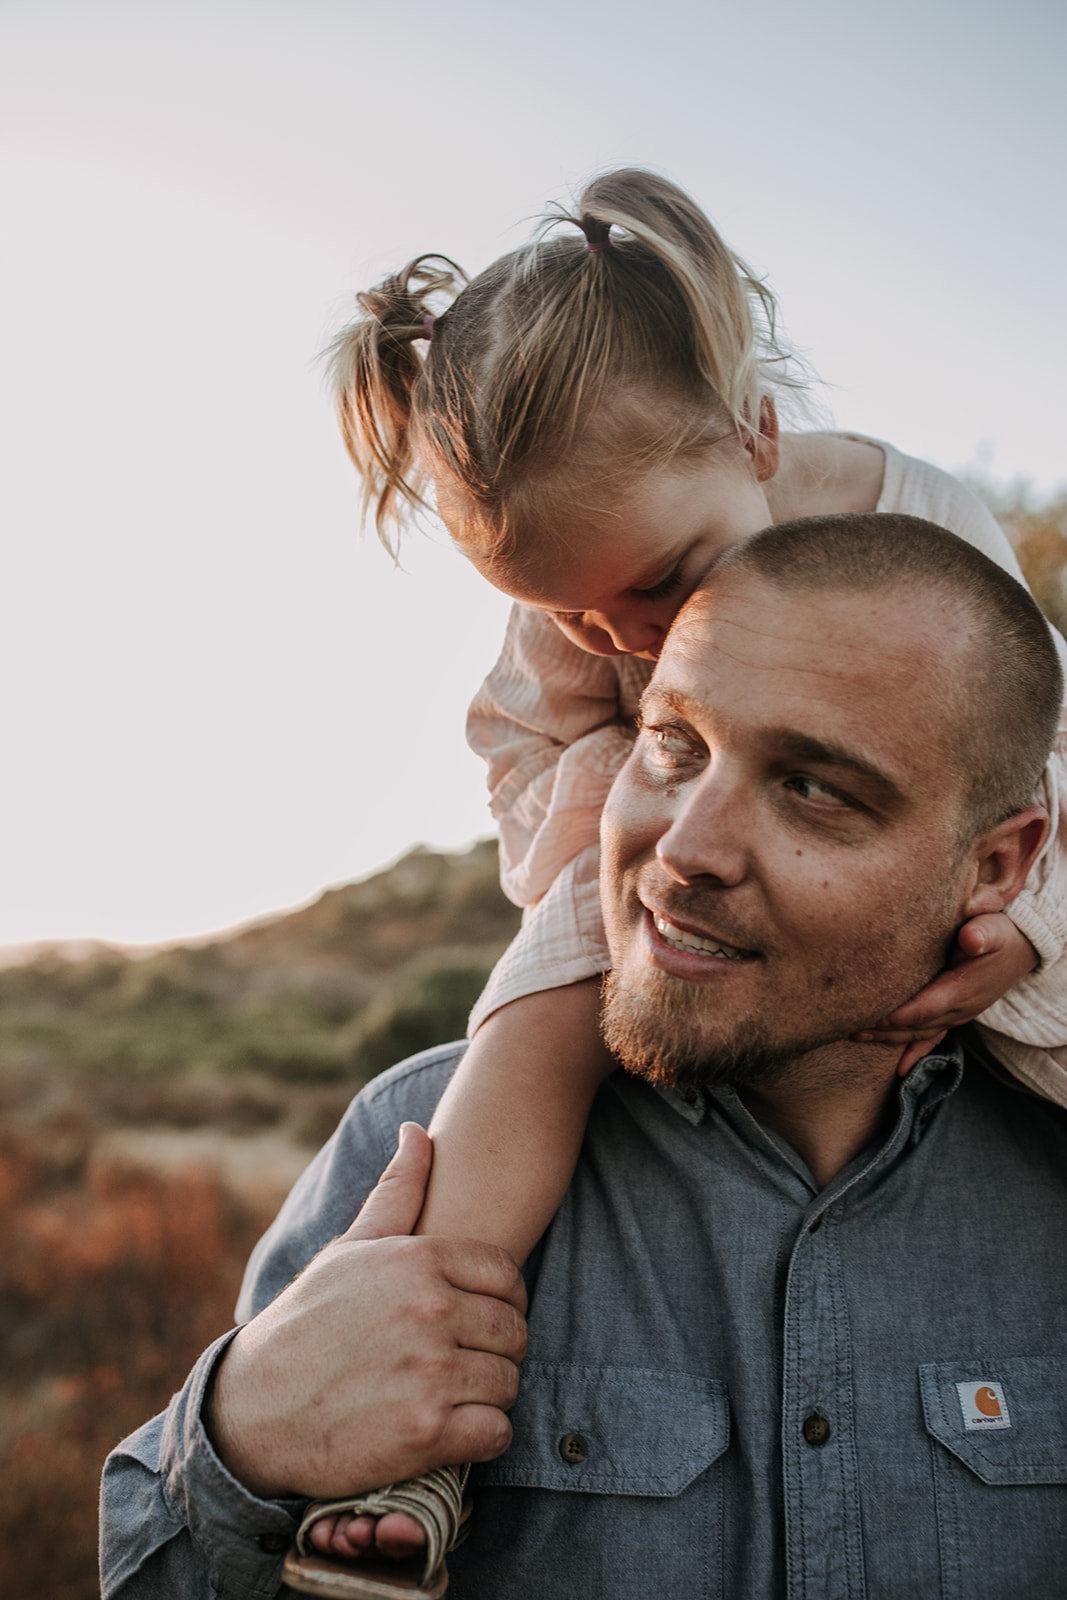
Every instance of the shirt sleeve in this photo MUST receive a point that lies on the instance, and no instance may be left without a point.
(548, 722)
(174, 1522)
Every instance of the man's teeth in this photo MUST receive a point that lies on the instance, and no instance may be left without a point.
(692, 941)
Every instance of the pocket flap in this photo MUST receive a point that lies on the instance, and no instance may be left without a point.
(611, 1430)
(1005, 1420)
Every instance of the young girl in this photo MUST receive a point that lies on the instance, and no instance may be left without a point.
(595, 416)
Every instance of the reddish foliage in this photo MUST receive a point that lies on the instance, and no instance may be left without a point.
(112, 1281)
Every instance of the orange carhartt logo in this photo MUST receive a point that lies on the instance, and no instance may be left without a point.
(983, 1406)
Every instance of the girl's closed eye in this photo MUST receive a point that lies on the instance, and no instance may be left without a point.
(665, 585)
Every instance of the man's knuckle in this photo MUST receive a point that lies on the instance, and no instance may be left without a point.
(435, 1306)
(425, 1423)
(436, 1366)
(490, 1437)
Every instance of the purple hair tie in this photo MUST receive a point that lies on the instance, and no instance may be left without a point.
(597, 234)
(427, 326)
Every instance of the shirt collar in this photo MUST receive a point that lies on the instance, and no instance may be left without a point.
(931, 1080)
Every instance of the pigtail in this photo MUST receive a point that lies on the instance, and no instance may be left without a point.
(630, 337)
(733, 314)
(376, 368)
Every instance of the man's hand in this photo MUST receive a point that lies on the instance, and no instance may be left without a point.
(386, 1357)
(989, 958)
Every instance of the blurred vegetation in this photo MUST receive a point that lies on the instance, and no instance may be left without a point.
(1038, 533)
(366, 975)
(154, 1111)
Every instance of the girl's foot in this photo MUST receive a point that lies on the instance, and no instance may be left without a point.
(388, 1542)
(348, 1536)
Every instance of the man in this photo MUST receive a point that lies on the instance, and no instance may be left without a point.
(798, 1326)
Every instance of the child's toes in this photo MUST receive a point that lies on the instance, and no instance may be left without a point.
(341, 1534)
(398, 1536)
(352, 1537)
(320, 1534)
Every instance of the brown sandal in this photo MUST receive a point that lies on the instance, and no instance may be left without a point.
(436, 1503)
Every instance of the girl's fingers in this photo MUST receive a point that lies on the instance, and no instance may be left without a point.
(915, 1052)
(898, 1036)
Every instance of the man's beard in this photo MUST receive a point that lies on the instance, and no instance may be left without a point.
(667, 1041)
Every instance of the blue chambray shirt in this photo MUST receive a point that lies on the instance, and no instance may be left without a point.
(737, 1386)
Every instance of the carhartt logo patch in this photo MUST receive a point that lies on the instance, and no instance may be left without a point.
(983, 1406)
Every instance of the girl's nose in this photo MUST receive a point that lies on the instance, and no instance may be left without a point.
(631, 635)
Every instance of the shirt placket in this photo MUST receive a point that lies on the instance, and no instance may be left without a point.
(824, 1550)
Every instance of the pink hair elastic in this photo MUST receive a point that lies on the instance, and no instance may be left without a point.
(595, 246)
(427, 326)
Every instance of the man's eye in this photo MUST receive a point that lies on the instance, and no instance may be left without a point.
(809, 788)
(669, 745)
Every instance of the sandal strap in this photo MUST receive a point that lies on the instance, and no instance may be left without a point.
(435, 1500)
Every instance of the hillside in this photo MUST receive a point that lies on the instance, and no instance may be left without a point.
(153, 1112)
(334, 991)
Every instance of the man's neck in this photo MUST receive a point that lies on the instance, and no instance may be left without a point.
(830, 1104)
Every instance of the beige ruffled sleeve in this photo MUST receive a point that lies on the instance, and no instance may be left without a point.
(553, 725)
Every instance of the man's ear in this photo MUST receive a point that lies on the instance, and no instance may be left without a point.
(763, 446)
(1001, 859)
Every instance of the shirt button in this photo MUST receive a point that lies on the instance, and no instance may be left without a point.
(573, 1448)
(272, 1544)
(690, 1097)
(816, 1429)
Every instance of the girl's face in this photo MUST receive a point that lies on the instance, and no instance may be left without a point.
(613, 579)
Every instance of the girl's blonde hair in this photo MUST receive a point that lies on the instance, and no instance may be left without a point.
(581, 358)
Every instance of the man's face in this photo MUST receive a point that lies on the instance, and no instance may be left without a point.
(781, 856)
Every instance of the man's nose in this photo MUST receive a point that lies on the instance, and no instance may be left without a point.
(709, 836)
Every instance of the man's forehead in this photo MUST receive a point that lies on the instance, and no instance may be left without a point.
(870, 640)
(854, 672)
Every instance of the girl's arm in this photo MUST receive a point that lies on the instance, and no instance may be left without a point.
(549, 723)
(508, 1130)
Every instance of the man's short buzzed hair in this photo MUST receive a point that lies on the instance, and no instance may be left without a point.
(1009, 702)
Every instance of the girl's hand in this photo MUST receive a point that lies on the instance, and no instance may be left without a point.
(989, 958)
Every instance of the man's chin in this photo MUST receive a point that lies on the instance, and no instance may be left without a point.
(672, 1044)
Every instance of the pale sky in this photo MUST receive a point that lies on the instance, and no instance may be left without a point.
(219, 699)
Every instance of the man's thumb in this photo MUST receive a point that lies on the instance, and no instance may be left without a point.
(393, 1205)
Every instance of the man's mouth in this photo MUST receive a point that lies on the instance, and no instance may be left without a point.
(680, 939)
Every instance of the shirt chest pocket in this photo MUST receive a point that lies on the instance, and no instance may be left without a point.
(998, 1432)
(621, 1493)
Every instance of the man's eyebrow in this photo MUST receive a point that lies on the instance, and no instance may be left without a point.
(826, 753)
(657, 699)
(790, 742)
